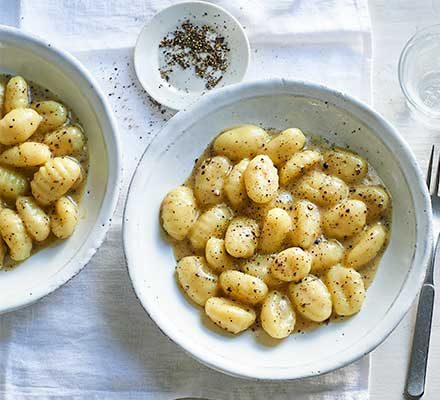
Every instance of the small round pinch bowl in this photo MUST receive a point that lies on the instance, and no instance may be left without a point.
(38, 61)
(278, 104)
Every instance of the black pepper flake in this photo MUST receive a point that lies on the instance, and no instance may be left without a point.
(200, 47)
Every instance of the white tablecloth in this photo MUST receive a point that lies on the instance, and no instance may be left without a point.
(91, 339)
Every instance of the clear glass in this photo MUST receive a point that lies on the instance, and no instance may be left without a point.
(419, 74)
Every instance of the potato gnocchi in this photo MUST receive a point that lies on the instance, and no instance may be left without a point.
(273, 230)
(43, 170)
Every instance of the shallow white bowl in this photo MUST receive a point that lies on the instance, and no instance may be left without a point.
(278, 104)
(184, 87)
(61, 73)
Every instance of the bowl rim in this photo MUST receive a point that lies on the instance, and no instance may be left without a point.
(164, 100)
(410, 288)
(67, 62)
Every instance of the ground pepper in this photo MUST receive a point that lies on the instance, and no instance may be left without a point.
(200, 47)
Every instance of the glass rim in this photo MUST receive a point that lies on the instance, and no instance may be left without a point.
(403, 58)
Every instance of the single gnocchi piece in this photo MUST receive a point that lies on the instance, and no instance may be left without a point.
(311, 298)
(306, 224)
(347, 290)
(325, 253)
(209, 180)
(16, 94)
(298, 164)
(345, 219)
(36, 221)
(366, 246)
(291, 265)
(276, 225)
(243, 287)
(261, 179)
(345, 165)
(259, 266)
(54, 179)
(196, 279)
(218, 259)
(234, 187)
(13, 232)
(245, 141)
(18, 125)
(66, 141)
(28, 154)
(375, 198)
(281, 148)
(212, 223)
(241, 237)
(12, 184)
(321, 189)
(277, 315)
(229, 314)
(64, 217)
(54, 114)
(179, 212)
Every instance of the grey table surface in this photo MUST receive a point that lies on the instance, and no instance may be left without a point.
(394, 21)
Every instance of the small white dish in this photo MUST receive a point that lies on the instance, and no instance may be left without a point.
(183, 86)
(38, 61)
(279, 104)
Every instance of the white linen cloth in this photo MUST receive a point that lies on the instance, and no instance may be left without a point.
(91, 339)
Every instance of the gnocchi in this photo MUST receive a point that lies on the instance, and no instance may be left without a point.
(66, 141)
(241, 237)
(14, 233)
(277, 315)
(64, 217)
(297, 164)
(345, 219)
(321, 189)
(43, 169)
(278, 228)
(54, 179)
(179, 212)
(54, 114)
(306, 224)
(311, 298)
(261, 179)
(375, 198)
(366, 246)
(16, 94)
(276, 225)
(212, 223)
(36, 221)
(281, 147)
(196, 279)
(218, 259)
(243, 287)
(234, 187)
(291, 265)
(347, 290)
(18, 125)
(28, 154)
(345, 165)
(229, 314)
(245, 141)
(209, 180)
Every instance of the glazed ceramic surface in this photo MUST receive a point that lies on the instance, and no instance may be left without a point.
(318, 111)
(36, 60)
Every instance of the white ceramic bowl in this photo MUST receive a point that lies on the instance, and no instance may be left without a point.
(61, 73)
(184, 87)
(279, 104)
